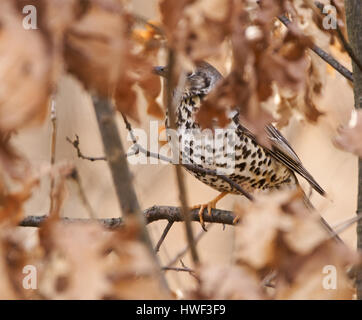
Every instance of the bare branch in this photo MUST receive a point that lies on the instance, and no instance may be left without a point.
(75, 176)
(155, 213)
(225, 178)
(184, 251)
(118, 165)
(163, 236)
(53, 119)
(347, 223)
(179, 174)
(354, 27)
(171, 214)
(183, 269)
(138, 148)
(75, 144)
(324, 55)
(341, 37)
(178, 269)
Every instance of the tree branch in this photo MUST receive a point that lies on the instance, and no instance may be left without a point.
(122, 180)
(354, 28)
(170, 85)
(81, 192)
(341, 37)
(80, 155)
(183, 269)
(324, 55)
(171, 214)
(155, 213)
(163, 236)
(183, 251)
(53, 119)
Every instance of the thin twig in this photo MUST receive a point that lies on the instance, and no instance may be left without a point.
(75, 176)
(346, 224)
(232, 183)
(118, 165)
(324, 55)
(341, 37)
(163, 236)
(138, 148)
(179, 174)
(183, 269)
(178, 269)
(80, 155)
(184, 251)
(53, 119)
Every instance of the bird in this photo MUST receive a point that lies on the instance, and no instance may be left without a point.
(255, 167)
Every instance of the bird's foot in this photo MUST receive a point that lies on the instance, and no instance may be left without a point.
(209, 205)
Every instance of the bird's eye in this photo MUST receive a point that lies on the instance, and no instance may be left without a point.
(189, 74)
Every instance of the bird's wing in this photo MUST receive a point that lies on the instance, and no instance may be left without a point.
(282, 151)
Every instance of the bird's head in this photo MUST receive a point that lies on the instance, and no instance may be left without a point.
(198, 82)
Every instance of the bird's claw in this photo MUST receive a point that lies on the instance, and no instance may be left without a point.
(210, 205)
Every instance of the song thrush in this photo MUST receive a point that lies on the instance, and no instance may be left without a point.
(256, 167)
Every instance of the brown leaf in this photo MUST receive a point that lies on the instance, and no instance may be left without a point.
(95, 49)
(151, 86)
(226, 283)
(284, 111)
(116, 265)
(350, 137)
(125, 97)
(306, 276)
(25, 78)
(171, 14)
(278, 233)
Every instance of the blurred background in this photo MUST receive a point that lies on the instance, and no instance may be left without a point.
(335, 170)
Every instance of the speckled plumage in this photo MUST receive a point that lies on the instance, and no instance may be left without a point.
(255, 167)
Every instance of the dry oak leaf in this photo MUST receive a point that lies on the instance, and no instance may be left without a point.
(17, 250)
(7, 290)
(150, 84)
(171, 14)
(320, 274)
(205, 27)
(227, 282)
(278, 233)
(25, 77)
(95, 49)
(350, 137)
(255, 236)
(86, 261)
(275, 217)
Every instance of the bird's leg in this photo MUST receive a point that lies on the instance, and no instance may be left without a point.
(210, 205)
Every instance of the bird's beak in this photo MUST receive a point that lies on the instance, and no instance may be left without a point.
(160, 70)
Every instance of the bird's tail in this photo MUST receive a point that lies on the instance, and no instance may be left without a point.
(323, 222)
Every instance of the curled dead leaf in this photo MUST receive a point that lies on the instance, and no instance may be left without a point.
(350, 137)
(26, 78)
